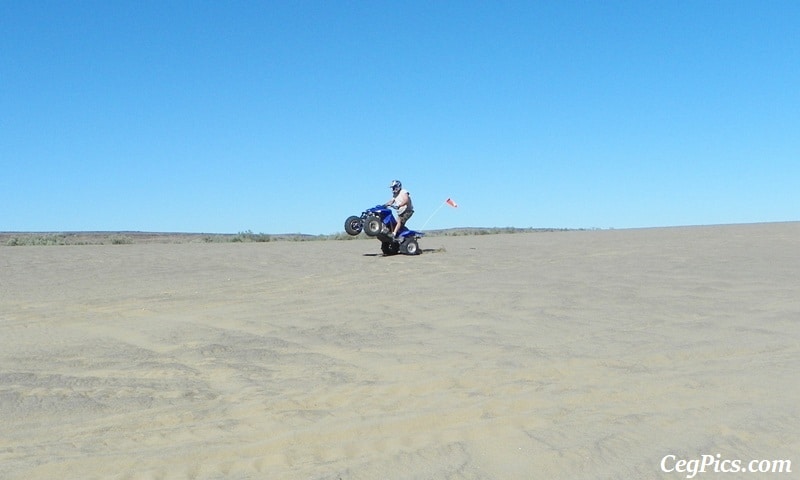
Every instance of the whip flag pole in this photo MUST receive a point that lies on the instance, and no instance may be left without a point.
(449, 201)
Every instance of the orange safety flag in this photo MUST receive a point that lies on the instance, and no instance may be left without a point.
(452, 203)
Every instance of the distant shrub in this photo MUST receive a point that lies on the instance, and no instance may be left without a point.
(249, 236)
(121, 240)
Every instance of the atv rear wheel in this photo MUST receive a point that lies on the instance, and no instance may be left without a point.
(410, 247)
(390, 248)
(373, 225)
(353, 225)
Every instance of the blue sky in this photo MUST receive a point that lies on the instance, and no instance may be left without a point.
(288, 116)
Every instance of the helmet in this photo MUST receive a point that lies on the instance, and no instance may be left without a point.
(395, 186)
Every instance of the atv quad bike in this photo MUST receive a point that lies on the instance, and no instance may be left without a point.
(379, 222)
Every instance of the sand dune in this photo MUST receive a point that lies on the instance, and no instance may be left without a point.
(585, 354)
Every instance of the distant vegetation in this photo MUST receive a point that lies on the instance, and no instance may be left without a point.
(14, 239)
(489, 231)
(33, 239)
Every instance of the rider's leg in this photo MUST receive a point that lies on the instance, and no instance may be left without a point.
(399, 226)
(401, 221)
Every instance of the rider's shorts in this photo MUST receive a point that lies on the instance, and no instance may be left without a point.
(406, 215)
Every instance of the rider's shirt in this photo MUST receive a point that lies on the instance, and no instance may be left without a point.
(403, 194)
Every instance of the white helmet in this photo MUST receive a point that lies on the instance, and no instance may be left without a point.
(395, 186)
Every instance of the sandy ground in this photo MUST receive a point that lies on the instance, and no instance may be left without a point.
(585, 354)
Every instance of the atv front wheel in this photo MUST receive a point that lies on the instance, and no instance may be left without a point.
(353, 225)
(373, 225)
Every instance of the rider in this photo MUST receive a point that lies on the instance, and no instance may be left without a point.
(401, 200)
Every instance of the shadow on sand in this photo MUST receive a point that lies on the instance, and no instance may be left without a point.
(424, 250)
